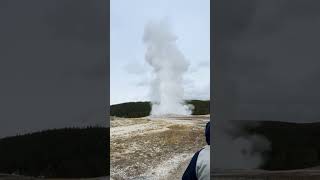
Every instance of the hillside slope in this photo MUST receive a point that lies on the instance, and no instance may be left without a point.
(69, 152)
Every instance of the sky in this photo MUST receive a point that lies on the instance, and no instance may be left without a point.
(266, 68)
(267, 60)
(130, 75)
(52, 64)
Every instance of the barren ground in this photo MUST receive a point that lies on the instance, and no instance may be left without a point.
(301, 174)
(16, 177)
(154, 148)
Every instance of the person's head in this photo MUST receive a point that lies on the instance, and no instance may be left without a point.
(207, 133)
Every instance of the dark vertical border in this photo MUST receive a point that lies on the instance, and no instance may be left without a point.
(107, 59)
(212, 71)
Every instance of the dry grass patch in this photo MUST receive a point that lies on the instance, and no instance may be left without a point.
(116, 122)
(140, 152)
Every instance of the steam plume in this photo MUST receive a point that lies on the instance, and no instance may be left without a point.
(235, 149)
(169, 65)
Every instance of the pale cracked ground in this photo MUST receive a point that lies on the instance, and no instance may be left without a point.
(154, 148)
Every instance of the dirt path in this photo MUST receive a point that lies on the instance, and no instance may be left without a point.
(154, 148)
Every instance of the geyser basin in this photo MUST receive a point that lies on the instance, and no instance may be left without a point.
(169, 66)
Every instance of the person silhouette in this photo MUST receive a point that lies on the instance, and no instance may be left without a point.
(199, 166)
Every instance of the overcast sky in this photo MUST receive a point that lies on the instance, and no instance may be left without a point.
(52, 64)
(267, 60)
(129, 73)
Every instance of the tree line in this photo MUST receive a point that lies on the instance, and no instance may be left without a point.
(57, 153)
(293, 146)
(142, 109)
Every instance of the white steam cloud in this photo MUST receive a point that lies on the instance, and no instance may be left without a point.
(236, 149)
(169, 65)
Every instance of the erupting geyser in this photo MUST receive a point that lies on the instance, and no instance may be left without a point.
(169, 65)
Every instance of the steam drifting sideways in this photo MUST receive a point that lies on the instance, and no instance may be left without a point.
(236, 149)
(169, 65)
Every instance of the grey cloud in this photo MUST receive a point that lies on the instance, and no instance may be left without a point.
(272, 62)
(195, 67)
(78, 21)
(135, 68)
(53, 64)
(204, 64)
(266, 63)
(144, 83)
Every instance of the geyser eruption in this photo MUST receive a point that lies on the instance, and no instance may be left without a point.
(169, 65)
(237, 149)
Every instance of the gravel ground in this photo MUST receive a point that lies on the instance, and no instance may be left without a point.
(154, 148)
(15, 177)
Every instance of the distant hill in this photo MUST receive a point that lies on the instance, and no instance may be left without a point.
(142, 109)
(69, 152)
(294, 146)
